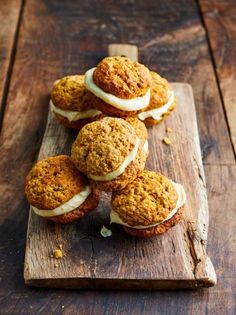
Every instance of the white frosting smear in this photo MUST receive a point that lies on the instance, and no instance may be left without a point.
(132, 104)
(66, 207)
(158, 112)
(115, 218)
(145, 146)
(121, 168)
(105, 232)
(74, 115)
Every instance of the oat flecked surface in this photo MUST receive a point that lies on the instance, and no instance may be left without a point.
(122, 77)
(102, 146)
(69, 93)
(54, 181)
(147, 200)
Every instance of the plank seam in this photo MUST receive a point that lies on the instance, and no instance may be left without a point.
(11, 64)
(215, 72)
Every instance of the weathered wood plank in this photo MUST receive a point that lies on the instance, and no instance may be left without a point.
(189, 43)
(222, 196)
(175, 260)
(45, 51)
(9, 16)
(130, 51)
(219, 17)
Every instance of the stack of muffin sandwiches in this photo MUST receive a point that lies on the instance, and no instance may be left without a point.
(111, 106)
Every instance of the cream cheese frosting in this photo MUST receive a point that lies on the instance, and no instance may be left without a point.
(121, 168)
(66, 207)
(133, 104)
(115, 218)
(74, 115)
(158, 112)
(145, 146)
(105, 232)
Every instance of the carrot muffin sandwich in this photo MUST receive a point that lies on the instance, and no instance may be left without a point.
(162, 101)
(70, 102)
(111, 152)
(57, 191)
(121, 87)
(148, 206)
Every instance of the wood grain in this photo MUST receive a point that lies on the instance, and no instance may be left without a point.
(130, 51)
(58, 38)
(9, 16)
(219, 17)
(175, 260)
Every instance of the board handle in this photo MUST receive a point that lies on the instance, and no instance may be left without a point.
(127, 50)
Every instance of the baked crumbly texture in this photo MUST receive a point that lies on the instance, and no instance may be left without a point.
(122, 77)
(139, 127)
(159, 96)
(69, 93)
(102, 146)
(159, 229)
(148, 200)
(54, 181)
(159, 91)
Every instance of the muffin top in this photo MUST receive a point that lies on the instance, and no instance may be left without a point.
(160, 89)
(102, 146)
(52, 182)
(69, 93)
(147, 200)
(122, 77)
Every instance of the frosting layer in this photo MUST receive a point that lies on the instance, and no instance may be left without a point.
(115, 218)
(66, 207)
(121, 168)
(133, 104)
(74, 115)
(158, 112)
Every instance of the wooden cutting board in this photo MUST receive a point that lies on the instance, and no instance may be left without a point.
(176, 259)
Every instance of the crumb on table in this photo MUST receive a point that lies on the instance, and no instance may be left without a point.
(105, 232)
(166, 140)
(58, 253)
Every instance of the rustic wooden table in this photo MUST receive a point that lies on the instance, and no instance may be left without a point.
(189, 41)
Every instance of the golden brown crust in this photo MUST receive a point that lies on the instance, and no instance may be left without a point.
(147, 200)
(130, 173)
(87, 206)
(151, 121)
(156, 230)
(122, 77)
(52, 182)
(69, 93)
(159, 91)
(78, 124)
(134, 168)
(140, 128)
(102, 146)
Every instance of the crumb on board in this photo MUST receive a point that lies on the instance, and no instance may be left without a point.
(105, 232)
(57, 253)
(166, 140)
(169, 130)
(56, 265)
